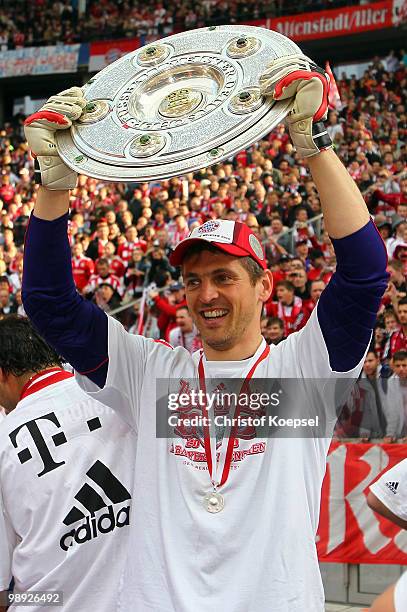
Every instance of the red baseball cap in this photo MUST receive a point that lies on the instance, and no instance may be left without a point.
(232, 237)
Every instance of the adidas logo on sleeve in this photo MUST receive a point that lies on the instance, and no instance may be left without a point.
(97, 523)
(393, 486)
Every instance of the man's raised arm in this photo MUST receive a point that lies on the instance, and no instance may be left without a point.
(75, 327)
(348, 307)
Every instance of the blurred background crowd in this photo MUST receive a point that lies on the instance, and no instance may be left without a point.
(45, 22)
(121, 234)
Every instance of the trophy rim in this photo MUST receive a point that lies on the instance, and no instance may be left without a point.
(85, 159)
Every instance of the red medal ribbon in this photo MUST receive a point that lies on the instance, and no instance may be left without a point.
(207, 442)
(31, 386)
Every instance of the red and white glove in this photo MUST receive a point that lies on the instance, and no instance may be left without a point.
(296, 76)
(57, 114)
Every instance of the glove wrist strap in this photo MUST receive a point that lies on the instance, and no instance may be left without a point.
(37, 172)
(320, 136)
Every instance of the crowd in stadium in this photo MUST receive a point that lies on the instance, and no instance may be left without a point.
(122, 234)
(45, 22)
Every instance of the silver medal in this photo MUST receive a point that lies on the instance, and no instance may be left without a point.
(214, 502)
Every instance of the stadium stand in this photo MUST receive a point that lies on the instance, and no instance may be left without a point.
(44, 22)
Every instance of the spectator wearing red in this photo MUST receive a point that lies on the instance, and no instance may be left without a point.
(390, 320)
(394, 198)
(159, 219)
(301, 229)
(116, 264)
(318, 265)
(178, 231)
(82, 267)
(132, 242)
(149, 237)
(7, 191)
(103, 275)
(398, 339)
(167, 307)
(316, 288)
(280, 271)
(289, 308)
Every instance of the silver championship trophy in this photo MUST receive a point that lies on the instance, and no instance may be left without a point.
(183, 103)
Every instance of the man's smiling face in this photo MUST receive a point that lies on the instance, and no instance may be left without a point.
(223, 302)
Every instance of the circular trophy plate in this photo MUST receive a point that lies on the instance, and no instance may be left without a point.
(181, 104)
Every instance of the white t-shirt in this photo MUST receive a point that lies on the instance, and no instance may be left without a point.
(391, 490)
(66, 482)
(259, 552)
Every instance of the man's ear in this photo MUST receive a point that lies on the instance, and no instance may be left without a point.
(266, 285)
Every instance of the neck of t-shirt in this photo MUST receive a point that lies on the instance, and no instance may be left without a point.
(222, 367)
(230, 366)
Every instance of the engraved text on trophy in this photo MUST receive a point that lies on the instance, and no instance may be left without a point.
(180, 102)
(181, 90)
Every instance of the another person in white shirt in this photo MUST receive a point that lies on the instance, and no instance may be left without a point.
(65, 489)
(388, 497)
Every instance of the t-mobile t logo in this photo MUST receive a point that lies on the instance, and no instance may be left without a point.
(33, 428)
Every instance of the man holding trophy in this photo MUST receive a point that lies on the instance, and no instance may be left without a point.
(215, 534)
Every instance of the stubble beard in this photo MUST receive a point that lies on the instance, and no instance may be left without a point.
(231, 336)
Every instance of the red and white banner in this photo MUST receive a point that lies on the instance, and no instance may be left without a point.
(334, 22)
(349, 531)
(104, 53)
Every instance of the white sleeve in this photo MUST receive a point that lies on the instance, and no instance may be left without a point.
(7, 544)
(133, 361)
(391, 489)
(126, 369)
(305, 357)
(312, 356)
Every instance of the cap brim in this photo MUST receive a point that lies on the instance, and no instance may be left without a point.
(177, 256)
